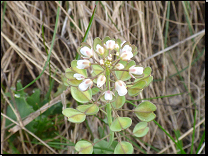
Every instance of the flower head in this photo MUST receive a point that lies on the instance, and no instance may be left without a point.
(87, 52)
(83, 64)
(110, 44)
(79, 76)
(108, 95)
(120, 87)
(101, 80)
(135, 70)
(86, 83)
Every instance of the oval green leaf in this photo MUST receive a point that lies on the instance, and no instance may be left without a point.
(119, 101)
(84, 147)
(74, 115)
(120, 123)
(82, 97)
(124, 147)
(141, 129)
(90, 109)
(144, 111)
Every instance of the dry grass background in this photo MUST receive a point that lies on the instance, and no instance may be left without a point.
(141, 23)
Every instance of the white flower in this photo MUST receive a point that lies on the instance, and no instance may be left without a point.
(79, 76)
(126, 48)
(108, 95)
(83, 64)
(101, 80)
(120, 86)
(126, 56)
(119, 66)
(87, 52)
(110, 44)
(101, 62)
(135, 70)
(109, 57)
(99, 49)
(86, 83)
(116, 46)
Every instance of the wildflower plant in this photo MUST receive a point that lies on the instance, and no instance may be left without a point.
(108, 71)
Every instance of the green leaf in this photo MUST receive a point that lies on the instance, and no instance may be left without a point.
(82, 97)
(102, 147)
(124, 147)
(97, 69)
(34, 99)
(144, 111)
(134, 50)
(119, 101)
(69, 78)
(134, 91)
(74, 115)
(84, 147)
(124, 75)
(75, 69)
(90, 109)
(141, 129)
(120, 123)
(95, 90)
(136, 88)
(147, 72)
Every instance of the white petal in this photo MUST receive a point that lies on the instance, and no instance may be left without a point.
(119, 66)
(87, 83)
(110, 44)
(136, 70)
(101, 80)
(78, 76)
(126, 56)
(87, 52)
(120, 86)
(101, 62)
(99, 49)
(83, 64)
(108, 95)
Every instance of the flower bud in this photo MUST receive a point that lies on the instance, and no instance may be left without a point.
(99, 49)
(87, 52)
(120, 87)
(86, 83)
(101, 80)
(79, 76)
(109, 57)
(135, 70)
(108, 95)
(83, 64)
(110, 44)
(119, 66)
(126, 48)
(101, 62)
(126, 56)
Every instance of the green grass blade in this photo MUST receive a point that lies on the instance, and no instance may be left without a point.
(48, 58)
(201, 142)
(88, 29)
(182, 151)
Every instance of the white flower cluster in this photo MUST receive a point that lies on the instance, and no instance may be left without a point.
(110, 63)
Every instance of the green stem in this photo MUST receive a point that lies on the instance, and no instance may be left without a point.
(108, 109)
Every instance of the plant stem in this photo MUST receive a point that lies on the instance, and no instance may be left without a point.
(108, 109)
